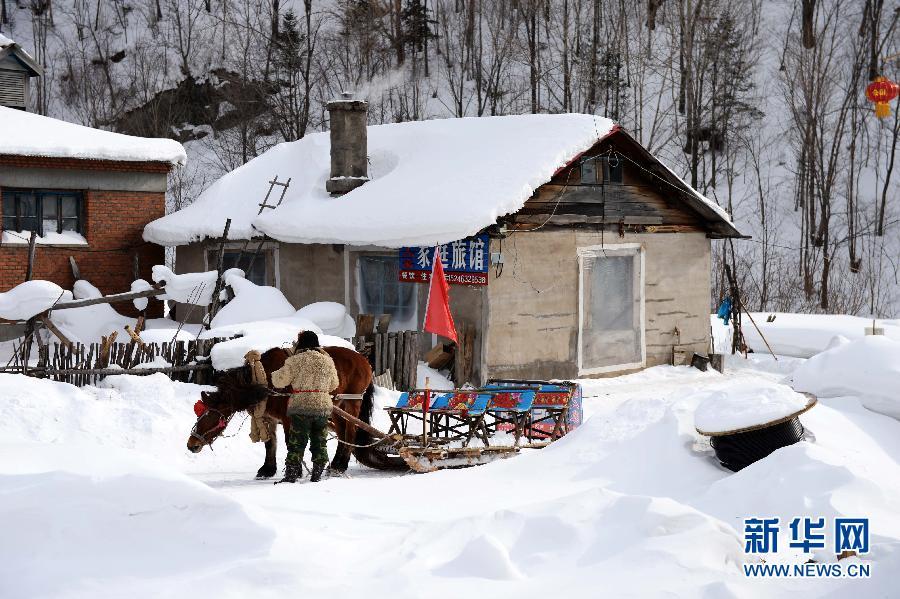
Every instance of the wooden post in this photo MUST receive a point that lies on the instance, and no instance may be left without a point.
(425, 412)
(32, 241)
(220, 262)
(45, 318)
(158, 289)
(76, 273)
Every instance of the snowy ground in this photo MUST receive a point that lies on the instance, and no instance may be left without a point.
(99, 498)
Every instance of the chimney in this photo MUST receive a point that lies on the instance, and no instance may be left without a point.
(349, 167)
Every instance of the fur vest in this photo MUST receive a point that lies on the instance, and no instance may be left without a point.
(312, 377)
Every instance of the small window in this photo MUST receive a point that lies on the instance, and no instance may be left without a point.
(44, 212)
(381, 292)
(601, 169)
(589, 172)
(258, 272)
(612, 169)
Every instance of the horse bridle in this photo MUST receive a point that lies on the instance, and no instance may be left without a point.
(201, 409)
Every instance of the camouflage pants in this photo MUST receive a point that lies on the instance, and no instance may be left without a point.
(312, 429)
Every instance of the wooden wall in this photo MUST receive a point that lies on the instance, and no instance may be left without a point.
(640, 201)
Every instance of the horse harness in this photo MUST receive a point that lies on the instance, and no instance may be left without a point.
(200, 409)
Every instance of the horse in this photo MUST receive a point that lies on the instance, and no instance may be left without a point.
(236, 392)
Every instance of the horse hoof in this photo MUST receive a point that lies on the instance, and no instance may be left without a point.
(265, 473)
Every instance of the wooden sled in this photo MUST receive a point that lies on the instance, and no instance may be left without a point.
(429, 459)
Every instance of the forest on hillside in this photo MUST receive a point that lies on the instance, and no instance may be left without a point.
(759, 104)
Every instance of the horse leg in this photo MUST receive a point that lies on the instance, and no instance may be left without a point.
(270, 465)
(342, 453)
(345, 431)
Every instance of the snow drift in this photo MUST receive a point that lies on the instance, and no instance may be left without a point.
(76, 515)
(868, 368)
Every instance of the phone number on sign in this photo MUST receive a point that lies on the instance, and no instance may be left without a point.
(454, 278)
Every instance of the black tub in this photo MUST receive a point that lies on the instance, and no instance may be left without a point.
(738, 450)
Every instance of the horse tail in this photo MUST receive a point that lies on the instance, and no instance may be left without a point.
(373, 457)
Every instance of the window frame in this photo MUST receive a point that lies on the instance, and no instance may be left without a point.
(268, 251)
(602, 171)
(599, 251)
(387, 257)
(39, 195)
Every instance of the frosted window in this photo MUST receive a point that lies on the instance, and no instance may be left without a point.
(611, 315)
(381, 292)
(259, 272)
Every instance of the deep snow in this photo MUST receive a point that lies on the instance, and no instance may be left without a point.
(632, 504)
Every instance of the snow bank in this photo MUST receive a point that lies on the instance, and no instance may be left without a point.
(251, 302)
(800, 335)
(262, 335)
(868, 368)
(633, 502)
(436, 379)
(29, 299)
(475, 169)
(77, 514)
(331, 317)
(89, 323)
(193, 287)
(742, 406)
(29, 134)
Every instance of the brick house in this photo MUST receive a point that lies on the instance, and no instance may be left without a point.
(85, 193)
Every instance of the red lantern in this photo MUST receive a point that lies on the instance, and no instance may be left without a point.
(881, 92)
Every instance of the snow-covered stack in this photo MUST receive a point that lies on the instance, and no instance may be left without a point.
(349, 160)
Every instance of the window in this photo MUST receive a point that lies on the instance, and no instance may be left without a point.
(601, 169)
(380, 291)
(611, 308)
(258, 272)
(41, 211)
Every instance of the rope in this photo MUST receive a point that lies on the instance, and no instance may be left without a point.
(348, 443)
(235, 432)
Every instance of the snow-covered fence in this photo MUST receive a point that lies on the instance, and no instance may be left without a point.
(397, 353)
(85, 364)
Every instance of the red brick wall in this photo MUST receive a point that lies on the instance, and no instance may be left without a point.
(82, 164)
(113, 224)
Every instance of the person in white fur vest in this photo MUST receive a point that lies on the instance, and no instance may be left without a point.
(311, 374)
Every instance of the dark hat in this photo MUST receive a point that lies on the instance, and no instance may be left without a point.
(307, 340)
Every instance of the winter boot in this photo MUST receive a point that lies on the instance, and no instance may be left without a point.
(291, 473)
(317, 472)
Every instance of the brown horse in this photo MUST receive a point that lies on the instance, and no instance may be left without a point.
(236, 392)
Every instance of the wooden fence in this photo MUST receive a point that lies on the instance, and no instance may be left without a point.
(396, 353)
(86, 364)
(80, 364)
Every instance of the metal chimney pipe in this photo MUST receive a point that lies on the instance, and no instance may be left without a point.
(349, 164)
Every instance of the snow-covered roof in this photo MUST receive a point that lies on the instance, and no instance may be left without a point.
(28, 134)
(432, 182)
(8, 46)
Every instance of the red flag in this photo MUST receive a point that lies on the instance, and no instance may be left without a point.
(438, 319)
